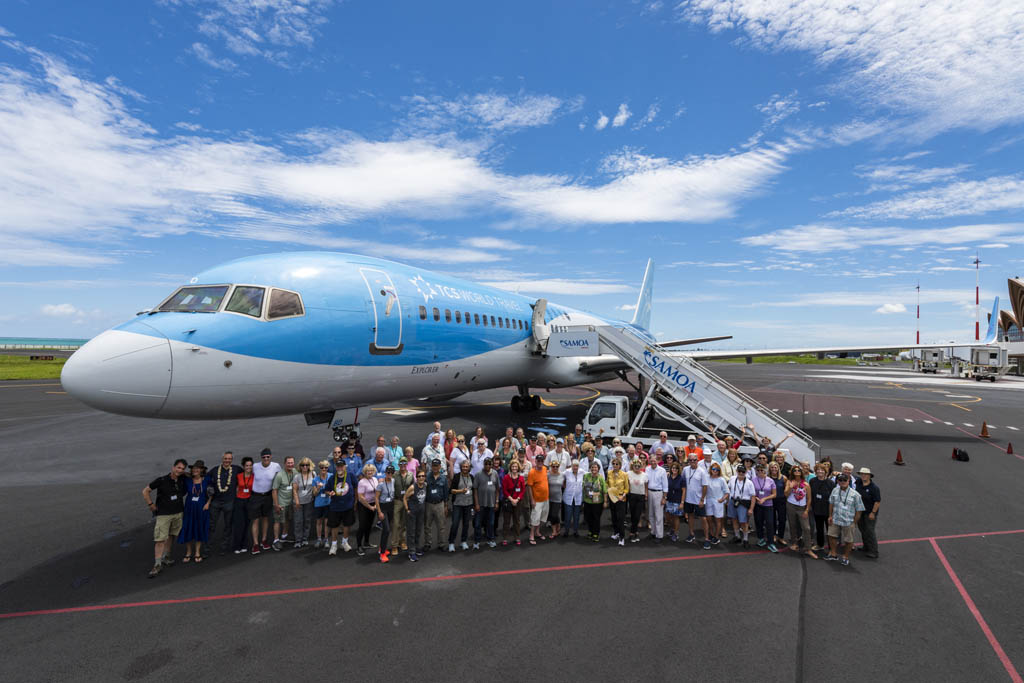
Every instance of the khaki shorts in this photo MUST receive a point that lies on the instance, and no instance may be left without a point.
(167, 525)
(843, 533)
(539, 513)
(285, 515)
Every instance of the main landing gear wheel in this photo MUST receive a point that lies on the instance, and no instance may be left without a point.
(525, 404)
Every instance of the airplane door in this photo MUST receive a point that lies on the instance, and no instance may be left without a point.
(387, 312)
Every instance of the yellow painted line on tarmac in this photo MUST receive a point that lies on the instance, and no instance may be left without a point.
(19, 386)
(546, 402)
(957, 405)
(56, 392)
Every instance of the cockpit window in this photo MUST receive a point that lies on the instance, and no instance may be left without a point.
(284, 304)
(202, 299)
(246, 300)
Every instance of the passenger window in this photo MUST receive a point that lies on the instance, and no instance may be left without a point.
(467, 317)
(492, 321)
(458, 316)
(284, 304)
(520, 324)
(507, 324)
(246, 300)
(437, 315)
(423, 312)
(500, 324)
(476, 318)
(447, 315)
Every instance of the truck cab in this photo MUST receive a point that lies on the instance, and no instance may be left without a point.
(608, 416)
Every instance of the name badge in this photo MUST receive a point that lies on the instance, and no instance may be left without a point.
(174, 497)
(820, 496)
(491, 484)
(195, 499)
(245, 490)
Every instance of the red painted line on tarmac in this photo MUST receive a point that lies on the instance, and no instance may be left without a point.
(1007, 664)
(371, 584)
(943, 538)
(454, 577)
(973, 436)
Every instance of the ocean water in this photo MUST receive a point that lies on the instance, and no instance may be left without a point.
(39, 343)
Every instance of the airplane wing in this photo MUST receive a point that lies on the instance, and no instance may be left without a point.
(990, 338)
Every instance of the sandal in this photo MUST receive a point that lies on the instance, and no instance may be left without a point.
(186, 559)
(533, 542)
(199, 558)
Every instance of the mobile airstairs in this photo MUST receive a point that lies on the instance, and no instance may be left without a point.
(682, 390)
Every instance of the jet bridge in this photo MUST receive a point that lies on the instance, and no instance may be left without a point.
(686, 392)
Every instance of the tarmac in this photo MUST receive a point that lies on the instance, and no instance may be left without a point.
(941, 603)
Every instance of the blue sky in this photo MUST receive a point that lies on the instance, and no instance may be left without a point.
(794, 168)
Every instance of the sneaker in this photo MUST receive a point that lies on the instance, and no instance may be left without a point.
(622, 541)
(256, 549)
(157, 568)
(319, 542)
(384, 558)
(746, 545)
(166, 561)
(597, 538)
(334, 549)
(690, 539)
(736, 539)
(772, 548)
(451, 547)
(845, 561)
(359, 551)
(707, 545)
(265, 545)
(345, 545)
(716, 540)
(476, 546)
(519, 541)
(491, 544)
(465, 546)
(635, 539)
(831, 558)
(504, 543)
(239, 551)
(761, 543)
(615, 537)
(412, 557)
(277, 545)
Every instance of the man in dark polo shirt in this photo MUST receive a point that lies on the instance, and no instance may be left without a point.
(222, 482)
(165, 496)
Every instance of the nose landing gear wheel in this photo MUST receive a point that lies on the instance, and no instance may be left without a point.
(339, 435)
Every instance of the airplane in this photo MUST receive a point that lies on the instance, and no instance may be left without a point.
(324, 334)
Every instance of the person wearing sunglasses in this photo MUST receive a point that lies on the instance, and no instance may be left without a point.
(696, 492)
(302, 497)
(321, 503)
(714, 507)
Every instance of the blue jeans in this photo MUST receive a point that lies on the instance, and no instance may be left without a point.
(484, 520)
(460, 514)
(572, 517)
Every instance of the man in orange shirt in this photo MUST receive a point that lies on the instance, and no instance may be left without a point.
(538, 483)
(692, 448)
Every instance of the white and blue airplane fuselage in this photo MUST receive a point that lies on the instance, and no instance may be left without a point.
(315, 332)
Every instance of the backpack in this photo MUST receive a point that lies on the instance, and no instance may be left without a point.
(961, 455)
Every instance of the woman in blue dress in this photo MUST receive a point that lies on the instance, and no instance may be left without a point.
(195, 525)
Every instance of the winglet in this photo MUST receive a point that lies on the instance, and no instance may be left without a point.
(642, 314)
(993, 324)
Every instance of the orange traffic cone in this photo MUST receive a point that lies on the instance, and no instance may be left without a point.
(953, 457)
(1009, 449)
(984, 430)
(899, 458)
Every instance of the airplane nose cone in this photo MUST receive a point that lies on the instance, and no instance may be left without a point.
(121, 372)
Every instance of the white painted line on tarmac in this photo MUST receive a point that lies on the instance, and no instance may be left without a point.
(872, 417)
(855, 416)
(968, 424)
(838, 415)
(891, 419)
(1014, 429)
(907, 419)
(928, 422)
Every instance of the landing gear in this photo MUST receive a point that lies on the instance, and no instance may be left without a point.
(525, 402)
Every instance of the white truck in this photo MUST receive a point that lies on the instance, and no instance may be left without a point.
(931, 360)
(988, 363)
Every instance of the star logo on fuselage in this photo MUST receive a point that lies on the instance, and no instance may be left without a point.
(423, 287)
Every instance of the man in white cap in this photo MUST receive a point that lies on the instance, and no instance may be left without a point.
(845, 507)
(872, 497)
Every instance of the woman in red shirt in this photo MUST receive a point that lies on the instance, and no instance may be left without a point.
(513, 489)
(240, 510)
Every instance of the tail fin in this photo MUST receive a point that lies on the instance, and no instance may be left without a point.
(642, 314)
(993, 323)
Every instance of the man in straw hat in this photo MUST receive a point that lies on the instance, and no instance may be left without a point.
(872, 497)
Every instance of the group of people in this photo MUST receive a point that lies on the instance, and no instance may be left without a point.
(413, 499)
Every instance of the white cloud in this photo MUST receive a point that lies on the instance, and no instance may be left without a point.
(994, 245)
(495, 243)
(491, 111)
(957, 63)
(626, 307)
(963, 198)
(891, 297)
(560, 286)
(27, 251)
(60, 310)
(652, 113)
(826, 238)
(779, 107)
(889, 177)
(891, 308)
(602, 121)
(205, 54)
(621, 116)
(260, 28)
(79, 165)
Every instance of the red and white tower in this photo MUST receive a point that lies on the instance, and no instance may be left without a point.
(918, 288)
(977, 297)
